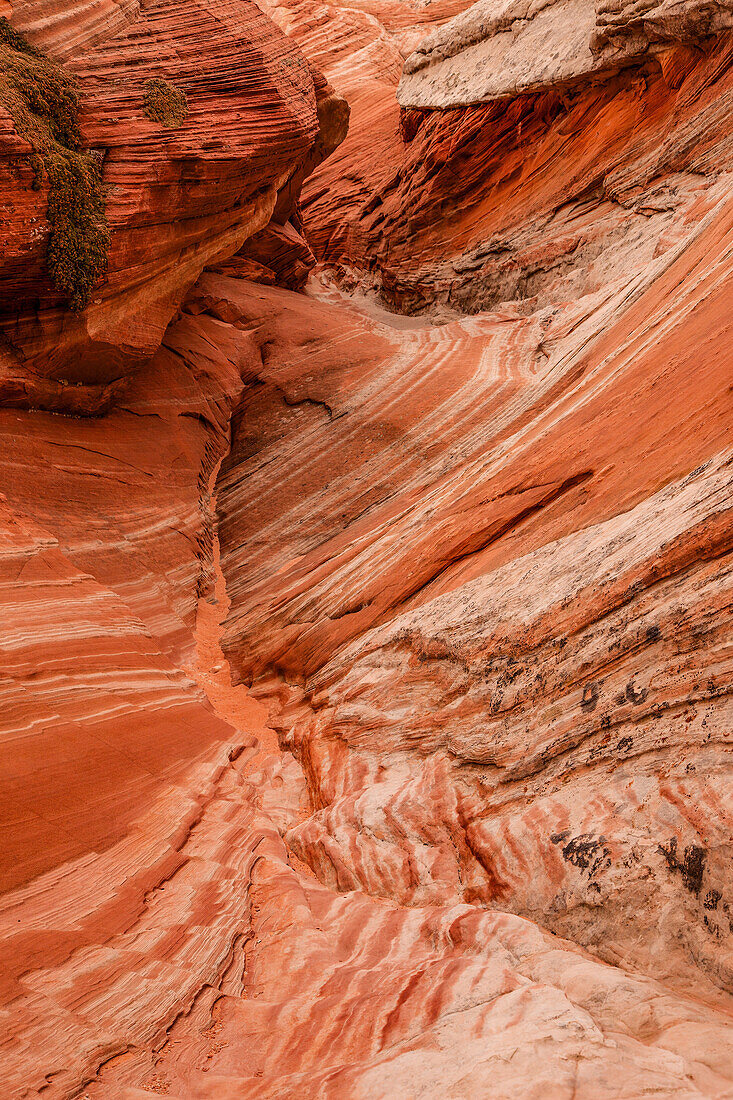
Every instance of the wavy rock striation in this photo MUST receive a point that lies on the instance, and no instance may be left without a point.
(504, 197)
(521, 476)
(365, 676)
(192, 157)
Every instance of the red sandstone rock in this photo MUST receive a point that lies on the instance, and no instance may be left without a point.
(518, 198)
(281, 254)
(480, 572)
(178, 196)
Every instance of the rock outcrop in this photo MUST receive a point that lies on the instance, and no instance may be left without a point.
(512, 473)
(366, 676)
(141, 142)
(501, 50)
(537, 197)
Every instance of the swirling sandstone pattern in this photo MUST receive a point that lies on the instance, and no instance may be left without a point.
(178, 196)
(478, 570)
(538, 197)
(519, 472)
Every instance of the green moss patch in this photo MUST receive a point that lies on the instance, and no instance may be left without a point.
(165, 104)
(43, 102)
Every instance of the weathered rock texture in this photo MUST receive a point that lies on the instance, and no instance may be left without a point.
(111, 753)
(499, 50)
(479, 571)
(187, 177)
(535, 198)
(529, 524)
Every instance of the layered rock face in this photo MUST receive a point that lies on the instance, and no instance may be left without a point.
(479, 195)
(366, 675)
(142, 142)
(494, 635)
(496, 51)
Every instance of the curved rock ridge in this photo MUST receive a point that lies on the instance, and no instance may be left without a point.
(184, 183)
(534, 198)
(179, 944)
(64, 28)
(110, 750)
(513, 469)
(160, 934)
(107, 533)
(366, 677)
(496, 50)
(279, 253)
(540, 731)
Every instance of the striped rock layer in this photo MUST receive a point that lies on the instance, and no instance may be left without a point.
(500, 196)
(366, 677)
(181, 190)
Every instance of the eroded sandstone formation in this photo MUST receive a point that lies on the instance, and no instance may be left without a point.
(537, 197)
(192, 116)
(366, 675)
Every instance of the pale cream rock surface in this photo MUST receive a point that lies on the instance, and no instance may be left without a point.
(497, 49)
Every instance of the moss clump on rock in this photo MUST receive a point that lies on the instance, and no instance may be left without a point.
(16, 41)
(165, 104)
(77, 251)
(43, 102)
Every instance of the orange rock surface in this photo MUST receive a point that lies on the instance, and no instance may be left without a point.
(366, 677)
(540, 197)
(181, 190)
